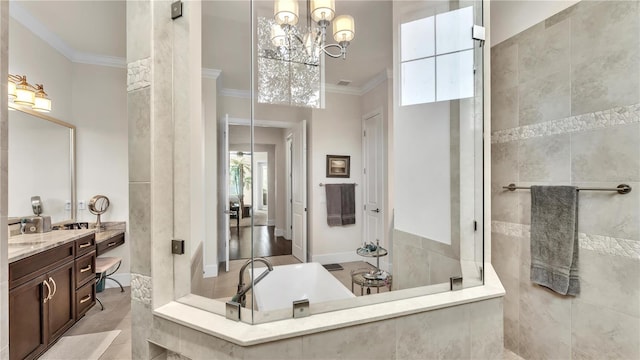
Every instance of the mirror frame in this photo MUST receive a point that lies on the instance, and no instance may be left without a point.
(72, 151)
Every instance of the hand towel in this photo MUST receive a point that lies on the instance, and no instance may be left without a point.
(554, 238)
(348, 204)
(334, 204)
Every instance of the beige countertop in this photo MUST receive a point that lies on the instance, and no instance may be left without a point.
(22, 246)
(105, 235)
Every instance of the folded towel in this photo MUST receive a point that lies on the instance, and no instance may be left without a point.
(554, 238)
(334, 204)
(348, 204)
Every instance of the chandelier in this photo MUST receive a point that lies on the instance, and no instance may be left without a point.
(292, 44)
(23, 93)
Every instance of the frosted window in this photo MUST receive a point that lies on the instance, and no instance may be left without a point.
(453, 30)
(417, 39)
(454, 77)
(418, 82)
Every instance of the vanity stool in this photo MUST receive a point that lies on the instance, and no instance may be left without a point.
(105, 267)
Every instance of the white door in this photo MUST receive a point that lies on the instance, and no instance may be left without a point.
(373, 179)
(225, 192)
(289, 151)
(299, 191)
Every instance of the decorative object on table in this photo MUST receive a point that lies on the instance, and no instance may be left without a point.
(338, 166)
(98, 205)
(375, 277)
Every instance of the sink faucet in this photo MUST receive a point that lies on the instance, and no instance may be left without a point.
(240, 296)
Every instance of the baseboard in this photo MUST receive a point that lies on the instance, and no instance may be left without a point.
(271, 222)
(278, 232)
(337, 257)
(124, 279)
(210, 271)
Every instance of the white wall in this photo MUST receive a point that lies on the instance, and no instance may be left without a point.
(99, 109)
(29, 55)
(510, 17)
(94, 99)
(336, 130)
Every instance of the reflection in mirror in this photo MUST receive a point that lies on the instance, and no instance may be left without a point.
(40, 164)
(406, 219)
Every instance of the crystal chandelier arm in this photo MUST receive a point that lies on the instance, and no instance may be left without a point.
(342, 54)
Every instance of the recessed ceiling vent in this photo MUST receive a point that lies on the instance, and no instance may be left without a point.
(344, 82)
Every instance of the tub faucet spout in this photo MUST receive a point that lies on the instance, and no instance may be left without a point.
(240, 296)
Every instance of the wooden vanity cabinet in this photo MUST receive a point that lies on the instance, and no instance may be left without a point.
(41, 300)
(85, 286)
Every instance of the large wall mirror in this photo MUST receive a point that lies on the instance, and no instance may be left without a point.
(41, 163)
(358, 178)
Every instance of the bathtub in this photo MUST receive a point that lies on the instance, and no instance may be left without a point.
(288, 283)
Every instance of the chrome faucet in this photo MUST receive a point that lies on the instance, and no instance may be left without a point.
(240, 296)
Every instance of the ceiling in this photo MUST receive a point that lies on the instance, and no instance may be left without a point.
(99, 28)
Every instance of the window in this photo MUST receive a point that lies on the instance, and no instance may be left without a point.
(437, 58)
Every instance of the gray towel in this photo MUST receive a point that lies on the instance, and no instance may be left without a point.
(554, 238)
(334, 204)
(348, 204)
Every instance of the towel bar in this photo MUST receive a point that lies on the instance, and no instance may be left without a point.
(621, 189)
(321, 184)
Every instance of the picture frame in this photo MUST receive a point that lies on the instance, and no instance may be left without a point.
(338, 166)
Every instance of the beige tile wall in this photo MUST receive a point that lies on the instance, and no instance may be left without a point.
(566, 110)
(459, 332)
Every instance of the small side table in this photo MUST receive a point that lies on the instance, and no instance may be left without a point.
(358, 277)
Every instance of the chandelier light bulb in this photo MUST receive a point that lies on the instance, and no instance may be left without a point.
(344, 28)
(323, 10)
(286, 12)
(278, 36)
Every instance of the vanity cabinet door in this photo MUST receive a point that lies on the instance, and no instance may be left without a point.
(62, 303)
(27, 321)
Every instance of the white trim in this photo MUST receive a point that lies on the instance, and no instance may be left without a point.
(346, 90)
(342, 257)
(125, 280)
(238, 93)
(208, 73)
(279, 232)
(210, 271)
(383, 76)
(101, 60)
(24, 17)
(261, 123)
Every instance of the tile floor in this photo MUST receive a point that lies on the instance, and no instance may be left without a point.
(115, 316)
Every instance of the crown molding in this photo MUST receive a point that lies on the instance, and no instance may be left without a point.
(346, 90)
(21, 15)
(101, 60)
(208, 73)
(375, 81)
(243, 94)
(24, 17)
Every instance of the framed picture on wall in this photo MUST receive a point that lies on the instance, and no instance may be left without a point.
(338, 166)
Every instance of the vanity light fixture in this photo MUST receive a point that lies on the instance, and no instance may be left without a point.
(289, 40)
(23, 93)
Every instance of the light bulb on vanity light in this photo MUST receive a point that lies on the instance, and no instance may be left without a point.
(286, 12)
(323, 10)
(12, 90)
(24, 95)
(42, 102)
(344, 29)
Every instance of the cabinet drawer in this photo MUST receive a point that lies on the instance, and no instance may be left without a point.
(26, 269)
(85, 299)
(109, 244)
(85, 269)
(85, 244)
